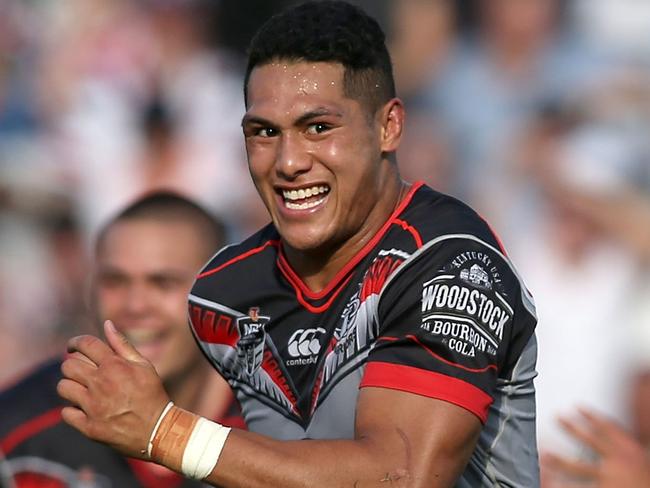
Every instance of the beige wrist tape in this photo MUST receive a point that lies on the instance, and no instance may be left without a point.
(188, 443)
(167, 408)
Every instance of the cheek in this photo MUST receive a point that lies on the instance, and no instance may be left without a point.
(261, 158)
(345, 157)
(108, 302)
(173, 305)
(257, 174)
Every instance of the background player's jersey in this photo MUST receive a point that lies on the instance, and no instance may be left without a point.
(39, 450)
(430, 306)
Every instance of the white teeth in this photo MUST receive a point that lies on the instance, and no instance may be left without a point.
(141, 335)
(294, 195)
(304, 206)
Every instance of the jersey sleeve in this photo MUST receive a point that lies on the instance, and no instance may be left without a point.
(451, 320)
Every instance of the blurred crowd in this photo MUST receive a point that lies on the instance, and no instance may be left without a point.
(536, 112)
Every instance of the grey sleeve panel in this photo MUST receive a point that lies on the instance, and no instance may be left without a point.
(506, 454)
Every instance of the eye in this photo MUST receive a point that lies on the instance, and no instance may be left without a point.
(166, 282)
(317, 128)
(266, 132)
(112, 280)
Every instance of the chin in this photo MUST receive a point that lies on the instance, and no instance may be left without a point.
(306, 237)
(304, 243)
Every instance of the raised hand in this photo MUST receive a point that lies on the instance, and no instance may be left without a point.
(116, 394)
(620, 460)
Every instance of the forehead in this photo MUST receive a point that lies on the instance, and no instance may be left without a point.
(147, 245)
(283, 82)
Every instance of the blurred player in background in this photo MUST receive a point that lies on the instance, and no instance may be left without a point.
(379, 319)
(145, 261)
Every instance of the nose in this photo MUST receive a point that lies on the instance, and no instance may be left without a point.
(136, 301)
(293, 158)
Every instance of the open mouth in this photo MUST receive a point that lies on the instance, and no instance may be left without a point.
(305, 198)
(144, 337)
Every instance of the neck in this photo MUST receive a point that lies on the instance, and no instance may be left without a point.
(319, 267)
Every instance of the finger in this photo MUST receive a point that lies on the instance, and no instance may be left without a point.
(587, 435)
(81, 357)
(73, 392)
(121, 344)
(93, 348)
(604, 427)
(76, 418)
(570, 467)
(78, 370)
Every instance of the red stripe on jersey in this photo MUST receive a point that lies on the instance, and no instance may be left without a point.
(429, 384)
(297, 282)
(213, 327)
(30, 429)
(271, 366)
(38, 480)
(438, 357)
(377, 275)
(409, 228)
(238, 258)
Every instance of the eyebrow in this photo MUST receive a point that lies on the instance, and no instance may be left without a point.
(174, 273)
(318, 112)
(254, 119)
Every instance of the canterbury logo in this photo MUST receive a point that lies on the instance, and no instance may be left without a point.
(304, 342)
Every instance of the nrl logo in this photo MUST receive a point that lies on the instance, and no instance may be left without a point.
(250, 347)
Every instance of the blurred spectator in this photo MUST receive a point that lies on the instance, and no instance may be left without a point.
(621, 27)
(145, 262)
(617, 455)
(18, 97)
(422, 33)
(586, 283)
(41, 281)
(26, 305)
(104, 72)
(620, 460)
(519, 55)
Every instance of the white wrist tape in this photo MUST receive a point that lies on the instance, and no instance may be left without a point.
(155, 429)
(203, 448)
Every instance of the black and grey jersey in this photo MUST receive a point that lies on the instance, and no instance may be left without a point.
(432, 305)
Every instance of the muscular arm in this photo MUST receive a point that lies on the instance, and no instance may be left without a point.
(401, 439)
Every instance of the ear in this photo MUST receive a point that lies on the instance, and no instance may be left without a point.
(392, 123)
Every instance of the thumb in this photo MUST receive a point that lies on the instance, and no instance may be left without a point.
(120, 344)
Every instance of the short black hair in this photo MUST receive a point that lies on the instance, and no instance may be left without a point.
(329, 31)
(169, 206)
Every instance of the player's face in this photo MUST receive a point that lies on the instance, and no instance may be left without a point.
(315, 155)
(144, 271)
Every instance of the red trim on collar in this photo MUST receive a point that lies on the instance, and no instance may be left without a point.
(302, 290)
(238, 258)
